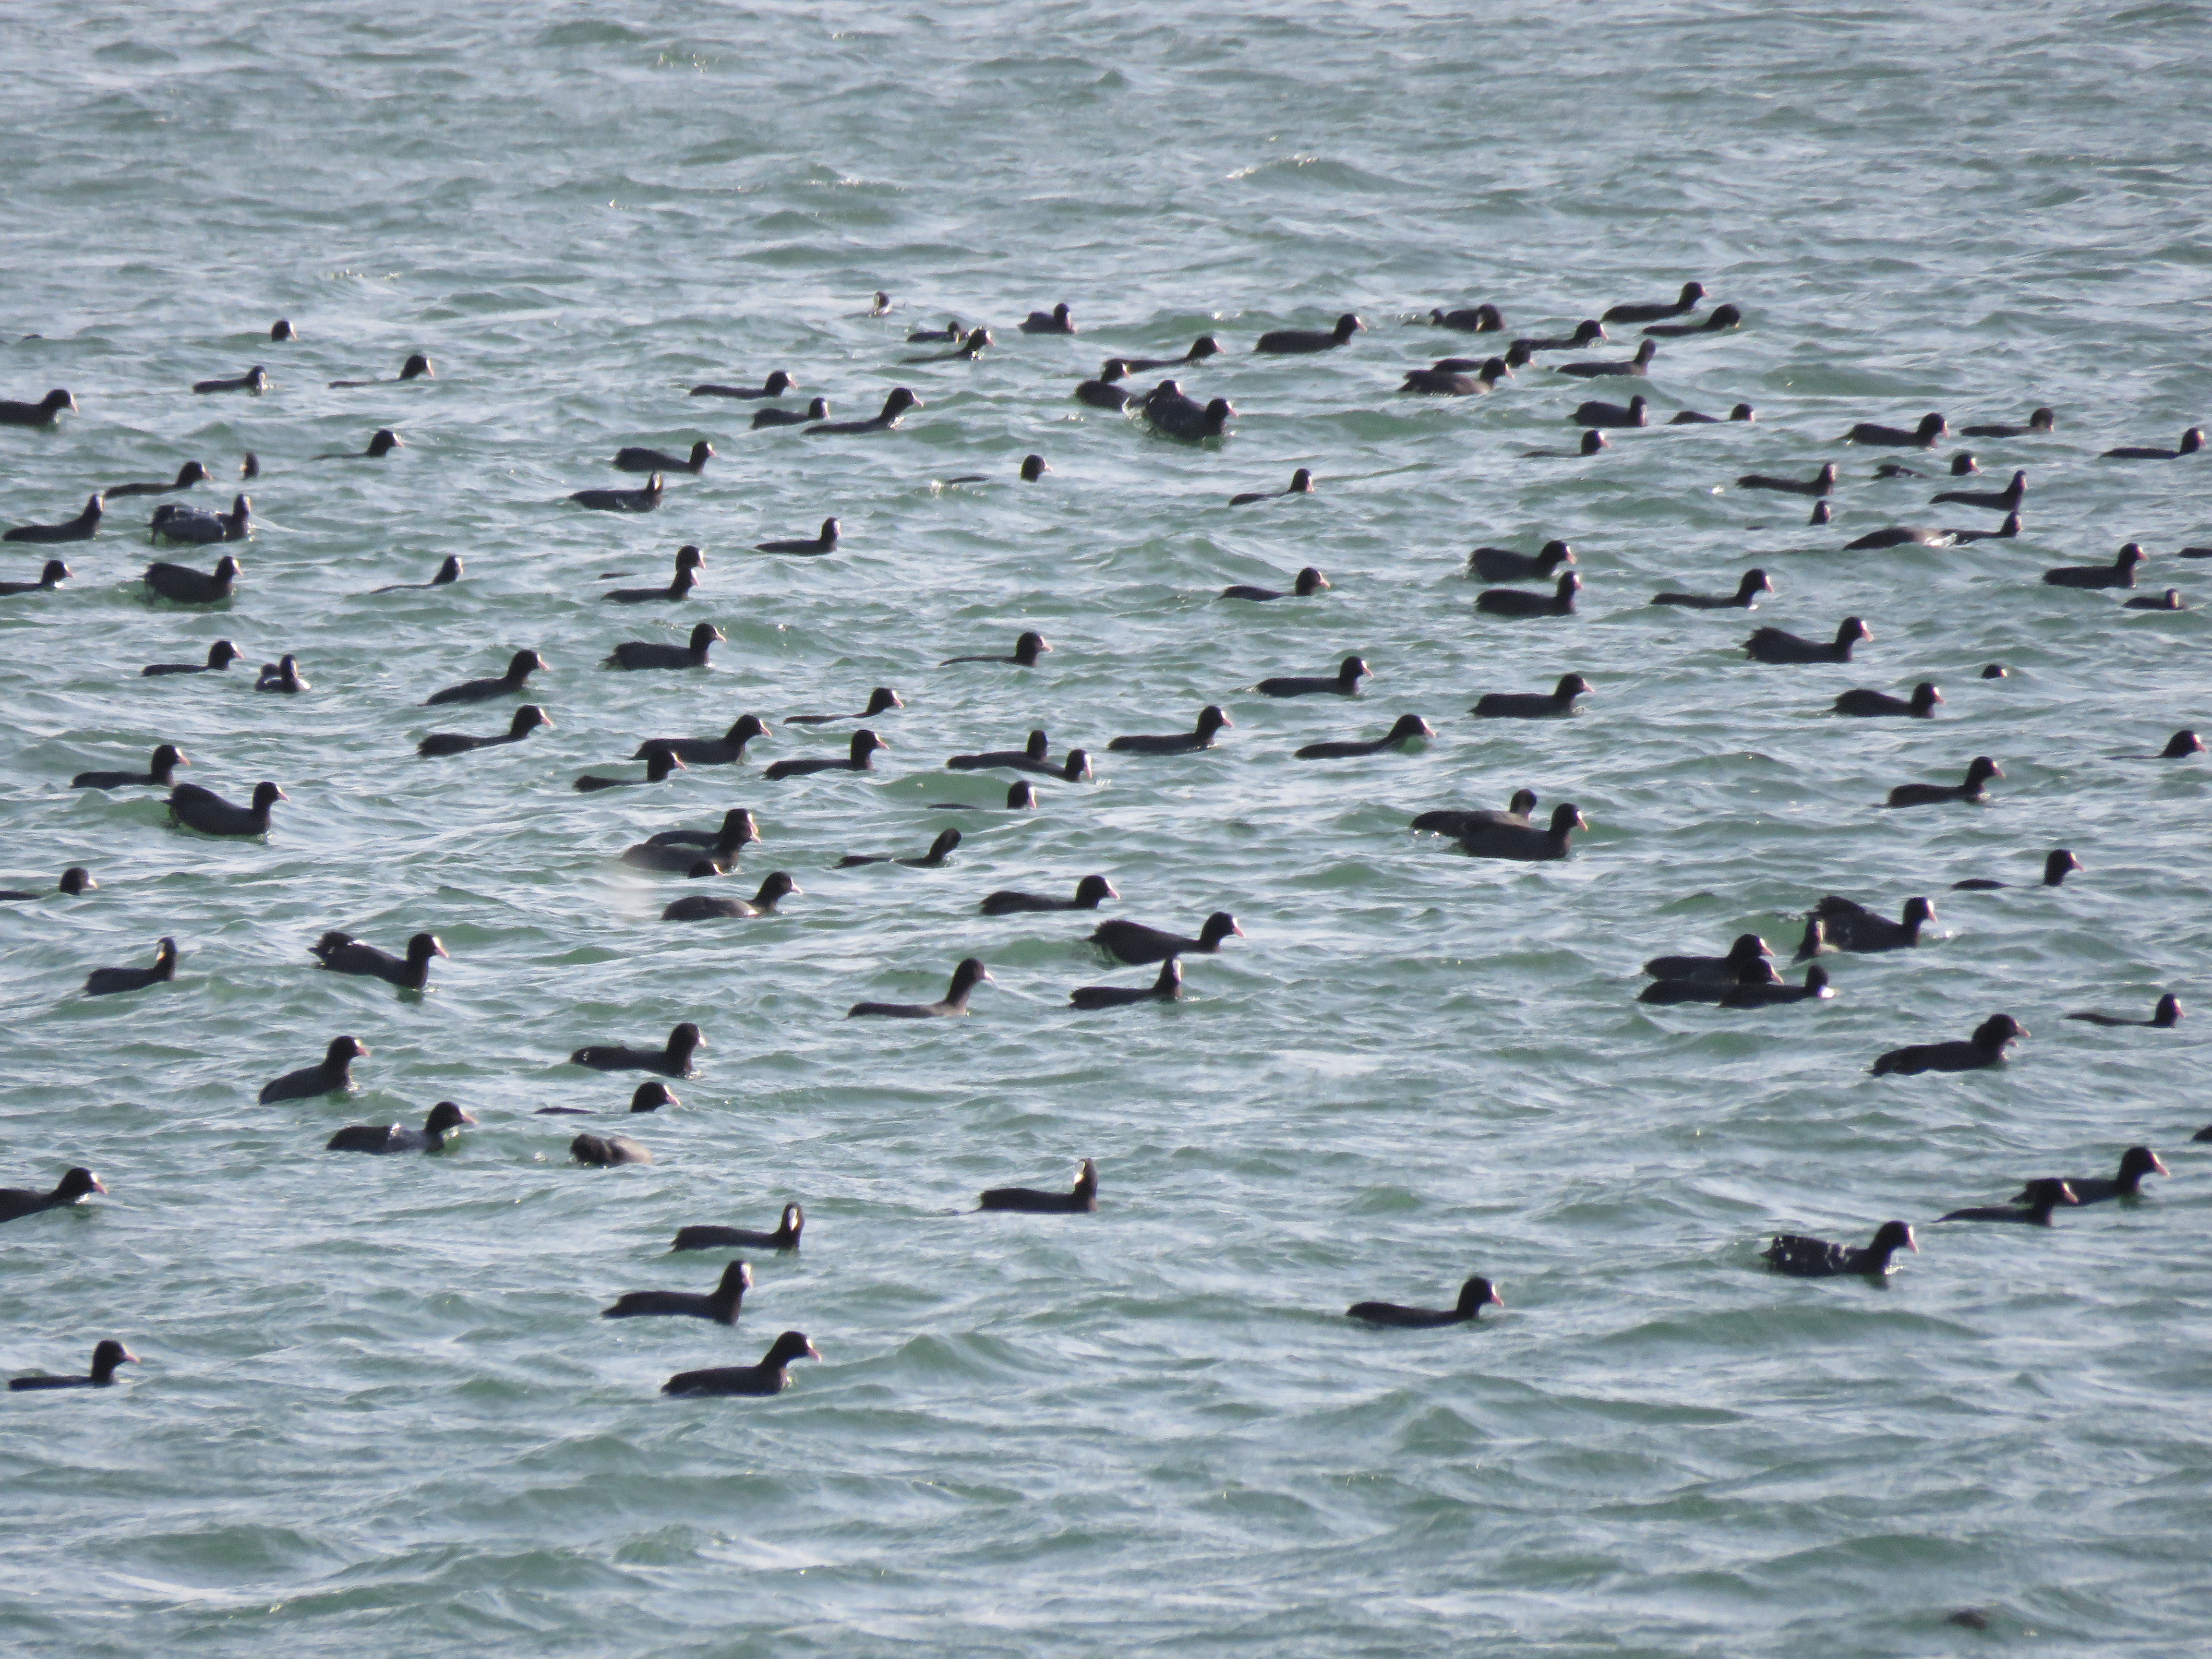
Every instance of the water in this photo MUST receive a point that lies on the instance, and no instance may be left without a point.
(377, 1412)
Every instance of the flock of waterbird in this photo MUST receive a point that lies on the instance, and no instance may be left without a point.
(1742, 978)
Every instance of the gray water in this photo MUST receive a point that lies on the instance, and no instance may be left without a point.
(377, 1413)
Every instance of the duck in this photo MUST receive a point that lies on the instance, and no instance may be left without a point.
(1173, 414)
(939, 850)
(650, 654)
(1301, 483)
(721, 1304)
(1502, 564)
(1081, 1199)
(896, 405)
(2163, 1017)
(204, 810)
(1816, 1258)
(112, 982)
(449, 572)
(1168, 987)
(1407, 729)
(634, 460)
(219, 657)
(1211, 720)
(966, 977)
(1772, 645)
(105, 1357)
(75, 880)
(1474, 1296)
(775, 386)
(52, 575)
(79, 529)
(254, 381)
(2121, 572)
(1138, 945)
(45, 412)
(1055, 321)
(1758, 976)
(1309, 582)
(1639, 364)
(282, 676)
(860, 758)
(2040, 424)
(1724, 318)
(164, 760)
(698, 907)
(824, 541)
(1985, 1047)
(727, 750)
(659, 762)
(181, 585)
(388, 1139)
(1524, 845)
(689, 561)
(191, 473)
(2042, 1198)
(331, 1075)
(1923, 436)
(519, 668)
(785, 1237)
(1090, 893)
(1595, 412)
(643, 499)
(2127, 1183)
(769, 1377)
(817, 408)
(1979, 771)
(2057, 864)
(342, 953)
(1533, 705)
(1299, 341)
(1849, 925)
(1106, 391)
(1452, 821)
(1748, 587)
(673, 1060)
(1869, 704)
(1822, 482)
(1027, 649)
(16, 1202)
(678, 857)
(1653, 310)
(881, 701)
(1775, 992)
(605, 1151)
(2008, 500)
(1344, 682)
(1484, 318)
(1744, 956)
(2191, 441)
(528, 718)
(1515, 602)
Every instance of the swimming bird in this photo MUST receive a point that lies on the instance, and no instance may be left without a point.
(1758, 976)
(653, 461)
(1923, 436)
(112, 981)
(659, 762)
(1743, 413)
(1963, 466)
(388, 1139)
(79, 529)
(1587, 332)
(255, 380)
(2163, 1017)
(1979, 771)
(721, 1304)
(1865, 704)
(896, 405)
(16, 1202)
(219, 657)
(1173, 414)
(648, 654)
(2181, 745)
(2007, 499)
(1027, 650)
(1081, 1199)
(448, 573)
(1524, 845)
(2043, 420)
(2135, 1163)
(1104, 393)
(1595, 412)
(2056, 865)
(605, 1151)
(646, 1097)
(381, 442)
(1168, 987)
(1772, 645)
(1211, 720)
(1985, 1047)
(1746, 597)
(965, 978)
(1514, 601)
(45, 412)
(2121, 572)
(331, 1074)
(698, 907)
(528, 718)
(1344, 682)
(824, 542)
(190, 473)
(1724, 318)
(1057, 321)
(643, 499)
(1639, 364)
(416, 368)
(689, 561)
(1406, 730)
(2169, 600)
(817, 408)
(860, 758)
(736, 822)
(939, 850)
(769, 1377)
(75, 880)
(283, 677)
(1301, 483)
(1592, 442)
(1652, 312)
(1774, 993)
(1822, 482)
(2042, 1197)
(678, 857)
(1302, 341)
(211, 815)
(165, 759)
(1088, 893)
(1922, 536)
(1484, 318)
(1529, 705)
(1309, 582)
(1816, 1258)
(2191, 441)
(1847, 925)
(674, 1059)
(971, 347)
(1452, 821)
(1136, 944)
(1474, 1296)
(342, 953)
(1037, 750)
(1746, 956)
(1446, 378)
(788, 1228)
(727, 750)
(1500, 564)
(880, 701)
(775, 386)
(54, 574)
(181, 585)
(1201, 349)
(105, 1358)
(193, 528)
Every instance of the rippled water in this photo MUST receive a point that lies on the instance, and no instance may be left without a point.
(377, 1413)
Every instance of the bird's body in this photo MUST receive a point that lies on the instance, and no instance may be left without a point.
(1972, 790)
(526, 719)
(1136, 944)
(1816, 1258)
(1773, 645)
(1985, 1047)
(333, 1073)
(1524, 845)
(1474, 1296)
(1167, 988)
(1211, 720)
(112, 981)
(1081, 1199)
(721, 1304)
(204, 810)
(965, 978)
(673, 1060)
(770, 1377)
(389, 1139)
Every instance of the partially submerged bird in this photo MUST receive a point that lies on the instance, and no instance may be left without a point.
(2126, 1182)
(1986, 1047)
(1474, 1296)
(112, 981)
(1867, 704)
(1979, 771)
(1816, 1258)
(1528, 705)
(388, 1139)
(1136, 944)
(105, 1358)
(673, 1060)
(1748, 587)
(342, 953)
(784, 1238)
(721, 1304)
(1772, 645)
(1524, 845)
(528, 718)
(1081, 1199)
(1211, 720)
(965, 978)
(1409, 728)
(769, 1377)
(332, 1073)
(1090, 893)
(16, 1202)
(2163, 1017)
(1167, 988)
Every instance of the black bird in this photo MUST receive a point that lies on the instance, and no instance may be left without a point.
(1168, 987)
(1816, 1258)
(1309, 582)
(1924, 436)
(211, 815)
(2121, 572)
(652, 460)
(519, 668)
(79, 529)
(643, 499)
(972, 347)
(784, 1238)
(698, 907)
(2191, 441)
(2007, 499)
(939, 850)
(416, 368)
(2043, 1197)
(181, 585)
(1724, 318)
(381, 442)
(1814, 989)
(817, 408)
(1500, 564)
(1639, 364)
(2135, 1163)
(283, 675)
(189, 524)
(2181, 745)
(1920, 706)
(105, 1358)
(167, 758)
(45, 412)
(966, 977)
(1344, 682)
(389, 1138)
(880, 701)
(2056, 865)
(1302, 341)
(1597, 412)
(1406, 728)
(1531, 705)
(1474, 1296)
(673, 1061)
(775, 386)
(1089, 892)
(1979, 771)
(721, 1304)
(2041, 421)
(76, 880)
(1592, 442)
(813, 547)
(16, 1202)
(1746, 956)
(1985, 1047)
(895, 408)
(333, 1072)
(1515, 602)
(1211, 719)
(1452, 820)
(1746, 597)
(255, 380)
(1202, 348)
(689, 561)
(678, 850)
(1082, 1199)
(648, 654)
(1170, 413)
(190, 473)
(1653, 310)
(861, 758)
(219, 657)
(659, 762)
(1774, 646)
(1524, 845)
(1848, 925)
(1963, 466)
(342, 953)
(726, 750)
(1136, 944)
(2169, 600)
(1822, 482)
(448, 573)
(646, 1097)
(1027, 650)
(603, 1151)
(1587, 332)
(54, 574)
(1446, 378)
(1056, 321)
(1103, 393)
(1924, 536)
(1757, 977)
(1743, 413)
(1301, 483)
(1469, 319)
(769, 1377)
(1037, 751)
(528, 718)
(111, 981)
(2164, 1017)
